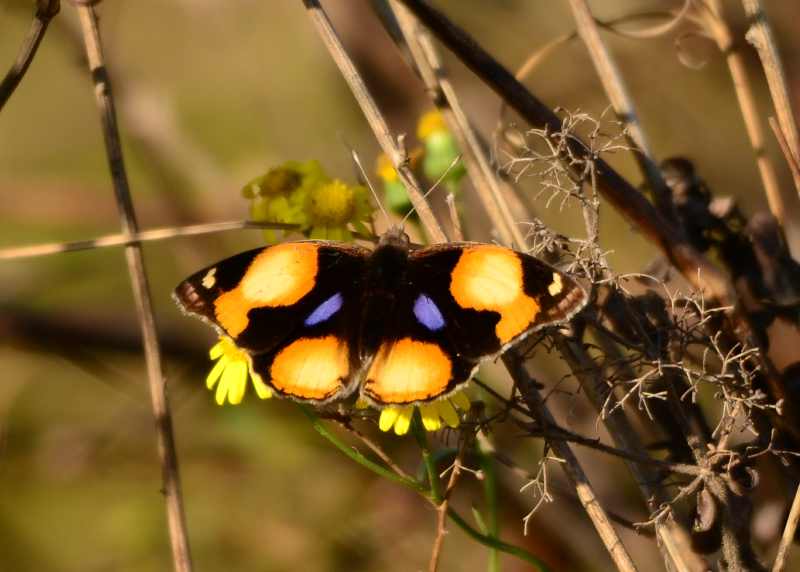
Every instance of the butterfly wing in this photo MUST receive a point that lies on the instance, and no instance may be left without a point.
(464, 303)
(290, 307)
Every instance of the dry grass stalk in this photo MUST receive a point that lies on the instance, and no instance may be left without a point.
(176, 517)
(712, 13)
(623, 105)
(46, 10)
(393, 147)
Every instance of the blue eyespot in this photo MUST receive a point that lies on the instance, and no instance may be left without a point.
(428, 313)
(325, 310)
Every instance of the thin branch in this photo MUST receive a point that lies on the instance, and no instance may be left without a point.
(443, 95)
(415, 486)
(788, 533)
(673, 20)
(46, 10)
(623, 105)
(355, 455)
(375, 448)
(616, 189)
(572, 467)
(441, 510)
(761, 37)
(791, 160)
(393, 147)
(136, 238)
(556, 432)
(675, 541)
(181, 555)
(713, 17)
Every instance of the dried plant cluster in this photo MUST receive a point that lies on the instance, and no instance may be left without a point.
(664, 355)
(690, 366)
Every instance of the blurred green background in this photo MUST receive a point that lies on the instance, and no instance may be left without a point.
(209, 95)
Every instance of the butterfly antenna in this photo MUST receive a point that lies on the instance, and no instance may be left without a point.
(357, 161)
(452, 164)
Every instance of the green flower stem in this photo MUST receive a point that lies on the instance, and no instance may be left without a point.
(430, 464)
(355, 455)
(490, 494)
(496, 543)
(382, 471)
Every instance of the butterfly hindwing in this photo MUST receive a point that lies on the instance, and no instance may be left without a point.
(415, 360)
(290, 307)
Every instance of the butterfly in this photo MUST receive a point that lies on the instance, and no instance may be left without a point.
(322, 320)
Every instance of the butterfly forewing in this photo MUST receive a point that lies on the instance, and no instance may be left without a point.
(491, 297)
(290, 306)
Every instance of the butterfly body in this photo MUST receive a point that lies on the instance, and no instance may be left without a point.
(321, 320)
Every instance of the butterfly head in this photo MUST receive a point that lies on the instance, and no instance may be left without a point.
(395, 237)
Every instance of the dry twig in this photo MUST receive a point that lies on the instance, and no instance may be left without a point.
(788, 533)
(761, 36)
(393, 147)
(618, 191)
(622, 102)
(46, 10)
(712, 12)
(17, 252)
(176, 517)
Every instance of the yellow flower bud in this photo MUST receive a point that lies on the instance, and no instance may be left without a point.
(430, 123)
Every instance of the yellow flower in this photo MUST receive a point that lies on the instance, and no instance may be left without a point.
(441, 151)
(385, 169)
(280, 194)
(231, 372)
(430, 123)
(332, 206)
(434, 415)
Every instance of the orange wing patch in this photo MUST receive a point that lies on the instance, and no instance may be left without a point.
(408, 370)
(311, 368)
(490, 278)
(279, 276)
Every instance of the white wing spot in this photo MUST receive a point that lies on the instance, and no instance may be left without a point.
(556, 286)
(209, 279)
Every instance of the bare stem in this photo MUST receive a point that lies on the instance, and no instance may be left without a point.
(176, 518)
(623, 105)
(777, 199)
(443, 95)
(615, 188)
(760, 35)
(391, 145)
(572, 467)
(788, 533)
(792, 160)
(17, 252)
(46, 10)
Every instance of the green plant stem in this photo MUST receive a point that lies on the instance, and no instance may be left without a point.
(490, 495)
(430, 464)
(382, 471)
(353, 453)
(496, 543)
